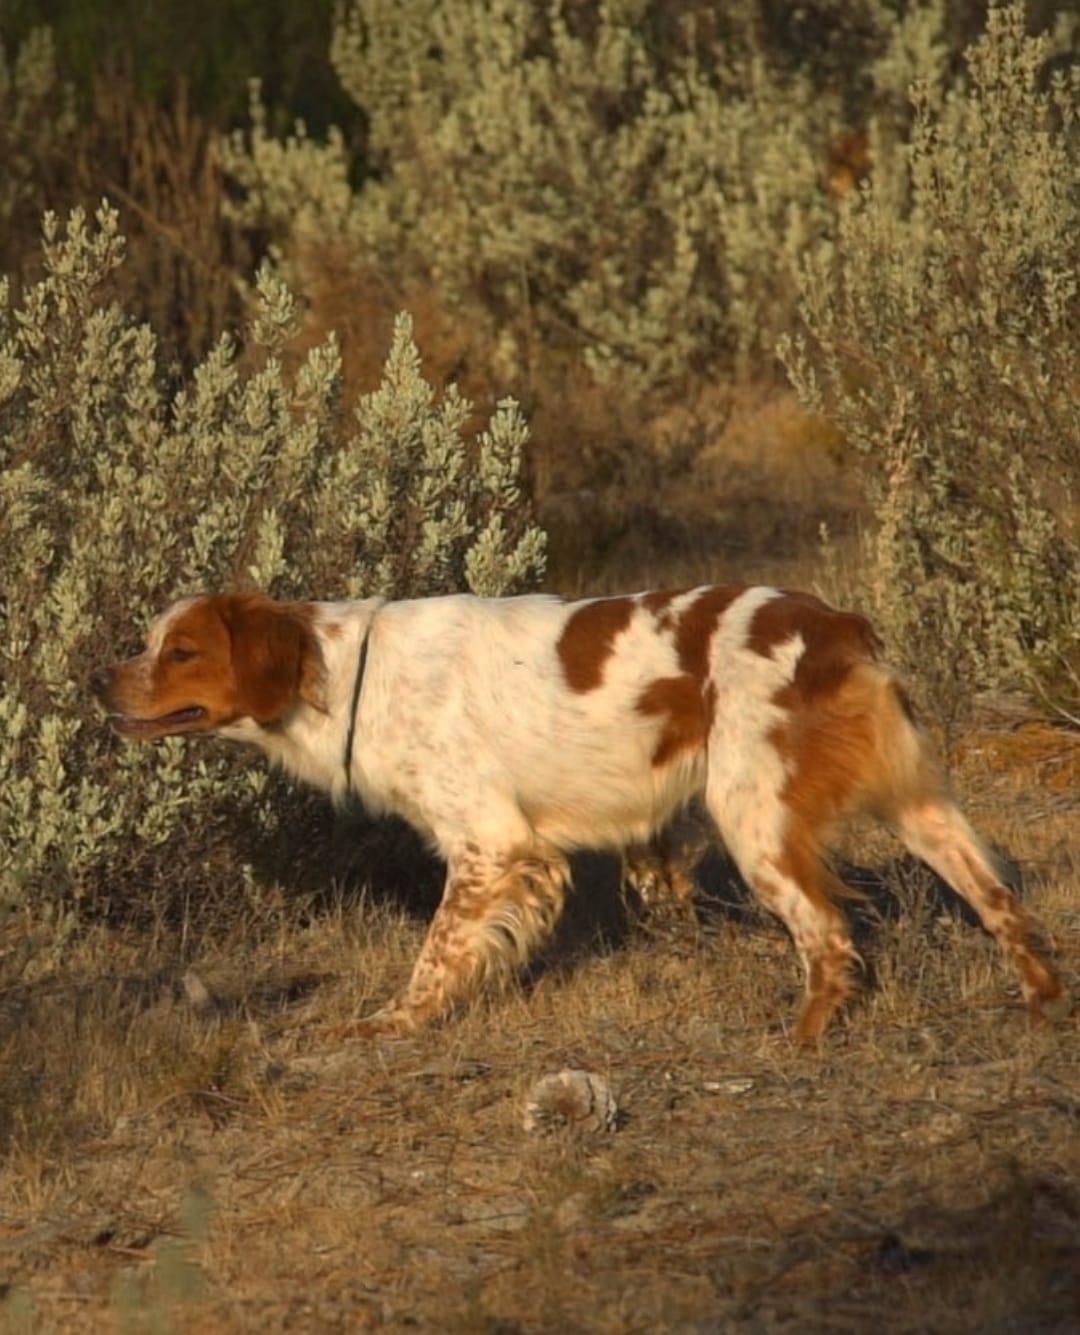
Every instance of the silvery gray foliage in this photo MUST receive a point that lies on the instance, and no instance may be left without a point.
(116, 498)
(570, 180)
(941, 335)
(422, 506)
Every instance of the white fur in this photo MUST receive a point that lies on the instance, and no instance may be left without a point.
(467, 728)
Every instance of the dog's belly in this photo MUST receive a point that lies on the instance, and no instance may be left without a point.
(610, 808)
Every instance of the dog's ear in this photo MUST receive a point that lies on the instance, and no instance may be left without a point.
(275, 656)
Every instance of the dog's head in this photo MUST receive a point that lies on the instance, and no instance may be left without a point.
(212, 660)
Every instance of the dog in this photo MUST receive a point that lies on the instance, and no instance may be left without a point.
(511, 731)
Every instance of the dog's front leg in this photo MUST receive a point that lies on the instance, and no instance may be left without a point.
(495, 909)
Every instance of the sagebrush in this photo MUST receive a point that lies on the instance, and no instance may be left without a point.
(117, 496)
(941, 334)
(632, 185)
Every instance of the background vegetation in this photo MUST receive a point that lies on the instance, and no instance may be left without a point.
(610, 212)
(410, 295)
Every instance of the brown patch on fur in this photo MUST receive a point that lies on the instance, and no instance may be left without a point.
(687, 712)
(658, 602)
(826, 951)
(275, 656)
(696, 627)
(588, 640)
(998, 899)
(828, 986)
(842, 750)
(687, 701)
(834, 641)
(186, 686)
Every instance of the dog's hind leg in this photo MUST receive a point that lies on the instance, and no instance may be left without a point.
(783, 865)
(495, 910)
(934, 829)
(907, 790)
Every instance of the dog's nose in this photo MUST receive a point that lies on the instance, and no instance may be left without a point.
(99, 681)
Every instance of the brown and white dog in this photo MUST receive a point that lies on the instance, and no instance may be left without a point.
(511, 731)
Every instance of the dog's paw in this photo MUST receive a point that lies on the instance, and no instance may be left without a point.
(1054, 1008)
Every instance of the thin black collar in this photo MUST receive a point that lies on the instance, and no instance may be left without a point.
(361, 665)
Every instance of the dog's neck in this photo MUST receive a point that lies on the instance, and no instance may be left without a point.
(308, 741)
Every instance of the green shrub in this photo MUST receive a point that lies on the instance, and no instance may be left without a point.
(941, 335)
(115, 499)
(634, 182)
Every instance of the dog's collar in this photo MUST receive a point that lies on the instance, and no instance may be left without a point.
(358, 685)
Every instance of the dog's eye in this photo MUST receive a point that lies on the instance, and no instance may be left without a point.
(178, 654)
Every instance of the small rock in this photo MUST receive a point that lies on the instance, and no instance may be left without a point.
(742, 1084)
(570, 1097)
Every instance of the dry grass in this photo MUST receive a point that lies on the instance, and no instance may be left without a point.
(157, 166)
(190, 1144)
(920, 1172)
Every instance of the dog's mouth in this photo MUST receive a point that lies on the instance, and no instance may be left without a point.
(180, 720)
